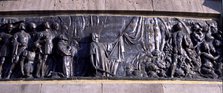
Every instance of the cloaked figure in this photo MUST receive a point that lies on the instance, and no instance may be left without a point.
(5, 45)
(99, 58)
(20, 45)
(67, 52)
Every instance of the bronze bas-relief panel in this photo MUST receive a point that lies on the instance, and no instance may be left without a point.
(110, 46)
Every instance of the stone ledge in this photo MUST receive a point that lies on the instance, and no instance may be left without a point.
(109, 13)
(109, 82)
(196, 6)
(111, 86)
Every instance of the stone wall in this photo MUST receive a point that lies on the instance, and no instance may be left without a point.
(197, 6)
(110, 86)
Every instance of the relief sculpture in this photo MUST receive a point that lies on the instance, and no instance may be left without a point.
(110, 46)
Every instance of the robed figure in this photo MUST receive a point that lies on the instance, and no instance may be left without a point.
(67, 52)
(99, 57)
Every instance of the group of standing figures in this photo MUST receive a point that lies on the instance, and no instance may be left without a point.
(23, 46)
(146, 47)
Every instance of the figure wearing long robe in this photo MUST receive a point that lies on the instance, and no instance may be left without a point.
(67, 53)
(99, 57)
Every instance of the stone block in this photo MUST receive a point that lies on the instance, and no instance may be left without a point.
(54, 88)
(192, 88)
(110, 86)
(79, 5)
(178, 5)
(129, 5)
(20, 88)
(85, 88)
(26, 5)
(132, 88)
(197, 6)
(71, 88)
(162, 5)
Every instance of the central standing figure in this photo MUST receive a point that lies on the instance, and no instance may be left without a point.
(99, 57)
(67, 52)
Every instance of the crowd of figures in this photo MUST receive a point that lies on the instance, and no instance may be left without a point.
(23, 46)
(165, 49)
(184, 49)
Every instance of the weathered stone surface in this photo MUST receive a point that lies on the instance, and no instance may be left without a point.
(110, 86)
(194, 88)
(54, 88)
(20, 88)
(198, 6)
(85, 88)
(71, 88)
(26, 5)
(132, 88)
(129, 5)
(10, 88)
(79, 5)
(163, 5)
